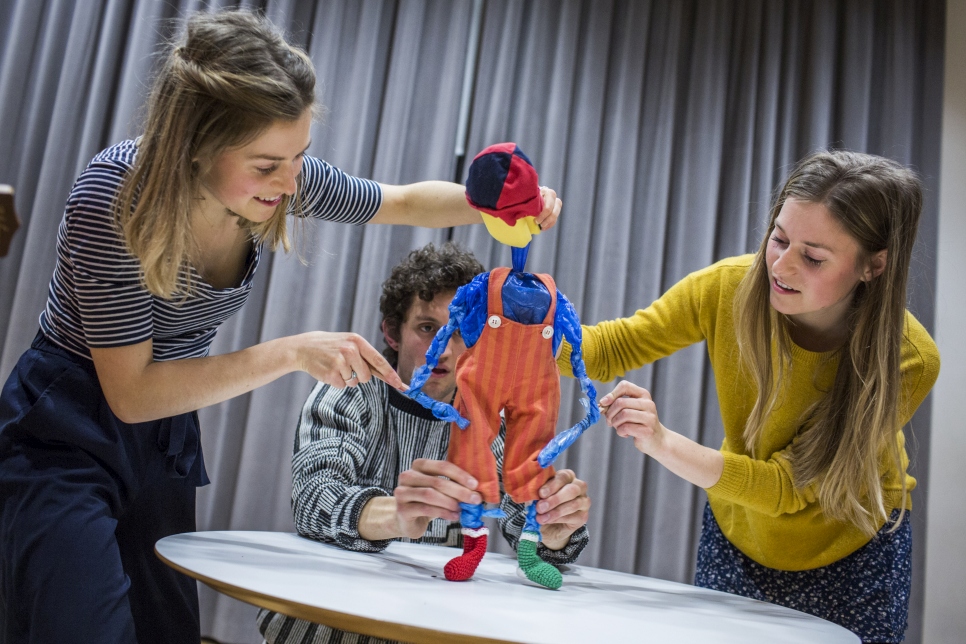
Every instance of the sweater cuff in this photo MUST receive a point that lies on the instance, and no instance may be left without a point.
(734, 477)
(569, 553)
(354, 509)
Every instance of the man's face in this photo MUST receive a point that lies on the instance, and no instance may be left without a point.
(416, 333)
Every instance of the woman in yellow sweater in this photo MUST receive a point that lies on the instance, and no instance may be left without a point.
(818, 366)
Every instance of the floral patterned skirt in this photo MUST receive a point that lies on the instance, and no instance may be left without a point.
(866, 592)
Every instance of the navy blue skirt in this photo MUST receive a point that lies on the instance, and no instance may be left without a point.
(867, 592)
(83, 499)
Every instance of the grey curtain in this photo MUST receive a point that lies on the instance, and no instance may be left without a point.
(664, 125)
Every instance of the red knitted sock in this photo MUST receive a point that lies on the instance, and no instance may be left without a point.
(474, 547)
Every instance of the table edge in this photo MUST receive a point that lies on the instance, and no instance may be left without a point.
(344, 621)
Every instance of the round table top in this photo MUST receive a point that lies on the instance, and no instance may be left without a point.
(401, 594)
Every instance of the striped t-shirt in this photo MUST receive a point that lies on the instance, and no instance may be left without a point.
(96, 296)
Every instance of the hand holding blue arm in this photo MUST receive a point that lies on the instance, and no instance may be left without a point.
(567, 326)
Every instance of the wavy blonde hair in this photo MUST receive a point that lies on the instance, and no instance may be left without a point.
(229, 78)
(848, 431)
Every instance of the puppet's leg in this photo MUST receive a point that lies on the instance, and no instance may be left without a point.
(532, 566)
(474, 544)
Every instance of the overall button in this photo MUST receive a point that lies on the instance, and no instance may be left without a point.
(547, 332)
(494, 321)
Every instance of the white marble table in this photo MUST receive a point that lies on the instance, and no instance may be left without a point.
(401, 594)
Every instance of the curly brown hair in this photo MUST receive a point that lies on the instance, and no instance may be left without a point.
(425, 272)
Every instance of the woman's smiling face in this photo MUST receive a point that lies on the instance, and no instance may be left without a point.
(251, 180)
(814, 266)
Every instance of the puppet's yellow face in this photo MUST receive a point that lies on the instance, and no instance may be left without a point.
(517, 235)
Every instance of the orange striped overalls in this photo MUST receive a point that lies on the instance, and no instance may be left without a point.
(510, 367)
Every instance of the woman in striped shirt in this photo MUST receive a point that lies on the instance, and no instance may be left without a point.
(99, 442)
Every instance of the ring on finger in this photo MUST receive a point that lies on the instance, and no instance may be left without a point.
(352, 377)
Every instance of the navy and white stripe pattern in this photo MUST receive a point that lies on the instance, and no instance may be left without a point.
(867, 592)
(350, 446)
(96, 297)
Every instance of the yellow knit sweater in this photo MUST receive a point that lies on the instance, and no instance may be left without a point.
(755, 502)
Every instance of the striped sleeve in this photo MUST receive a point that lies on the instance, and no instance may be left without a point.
(326, 192)
(115, 309)
(336, 436)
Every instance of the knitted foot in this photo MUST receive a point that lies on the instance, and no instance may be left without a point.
(533, 567)
(474, 547)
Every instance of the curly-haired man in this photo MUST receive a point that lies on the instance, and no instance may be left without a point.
(368, 460)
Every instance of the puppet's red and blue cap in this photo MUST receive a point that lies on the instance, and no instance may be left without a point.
(503, 183)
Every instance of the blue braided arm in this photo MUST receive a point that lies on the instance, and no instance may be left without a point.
(567, 323)
(462, 312)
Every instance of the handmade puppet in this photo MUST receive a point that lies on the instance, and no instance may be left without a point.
(512, 323)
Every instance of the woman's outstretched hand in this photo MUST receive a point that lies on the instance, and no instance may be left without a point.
(631, 411)
(342, 359)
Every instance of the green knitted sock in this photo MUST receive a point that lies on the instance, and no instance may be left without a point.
(534, 568)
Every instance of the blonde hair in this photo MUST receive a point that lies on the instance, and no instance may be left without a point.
(846, 433)
(231, 76)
